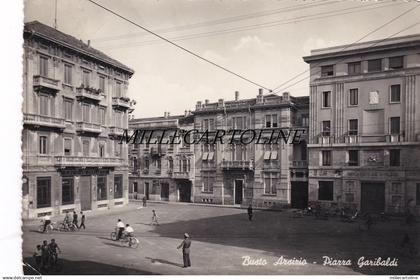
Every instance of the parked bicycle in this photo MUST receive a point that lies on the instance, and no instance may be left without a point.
(67, 227)
(49, 228)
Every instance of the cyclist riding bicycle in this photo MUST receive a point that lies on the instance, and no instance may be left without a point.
(129, 231)
(47, 221)
(53, 247)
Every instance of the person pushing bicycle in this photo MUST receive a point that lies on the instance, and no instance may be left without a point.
(53, 247)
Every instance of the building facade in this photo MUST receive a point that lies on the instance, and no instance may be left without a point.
(75, 108)
(267, 176)
(162, 171)
(364, 137)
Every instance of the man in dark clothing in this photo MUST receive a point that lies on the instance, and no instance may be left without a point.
(75, 222)
(250, 212)
(53, 247)
(144, 201)
(185, 245)
(45, 254)
(82, 222)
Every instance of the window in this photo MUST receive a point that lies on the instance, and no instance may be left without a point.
(239, 122)
(171, 164)
(101, 150)
(326, 99)
(43, 192)
(353, 158)
(43, 145)
(102, 115)
(208, 124)
(394, 125)
(394, 158)
(146, 163)
(326, 128)
(353, 97)
(326, 190)
(101, 188)
(208, 181)
(185, 167)
(117, 148)
(395, 94)
(85, 148)
(305, 120)
(354, 68)
(353, 127)
(44, 103)
(68, 109)
(271, 120)
(67, 191)
(43, 66)
(396, 62)
(118, 184)
(327, 70)
(374, 65)
(86, 78)
(326, 158)
(68, 78)
(270, 183)
(418, 194)
(118, 118)
(102, 83)
(118, 86)
(86, 113)
(67, 147)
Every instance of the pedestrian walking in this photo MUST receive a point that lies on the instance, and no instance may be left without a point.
(185, 245)
(154, 218)
(121, 228)
(75, 219)
(82, 220)
(144, 201)
(250, 212)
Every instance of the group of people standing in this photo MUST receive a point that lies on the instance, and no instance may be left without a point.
(46, 254)
(69, 220)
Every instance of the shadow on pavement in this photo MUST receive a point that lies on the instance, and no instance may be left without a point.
(85, 268)
(152, 260)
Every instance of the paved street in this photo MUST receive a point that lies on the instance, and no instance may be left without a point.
(220, 238)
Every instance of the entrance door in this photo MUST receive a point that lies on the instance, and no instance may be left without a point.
(164, 191)
(146, 190)
(299, 195)
(185, 191)
(85, 193)
(373, 197)
(238, 191)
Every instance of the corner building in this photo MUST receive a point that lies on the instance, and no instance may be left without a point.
(364, 137)
(75, 108)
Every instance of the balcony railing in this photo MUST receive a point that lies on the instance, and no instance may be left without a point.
(45, 84)
(325, 140)
(389, 138)
(118, 131)
(121, 102)
(300, 164)
(87, 161)
(157, 151)
(184, 150)
(181, 174)
(88, 94)
(88, 127)
(394, 138)
(43, 121)
(237, 164)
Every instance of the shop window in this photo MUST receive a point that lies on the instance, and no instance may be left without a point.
(67, 191)
(43, 192)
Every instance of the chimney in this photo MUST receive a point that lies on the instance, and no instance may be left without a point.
(88, 43)
(236, 95)
(198, 105)
(221, 103)
(286, 95)
(185, 113)
(165, 114)
(168, 114)
(206, 101)
(260, 91)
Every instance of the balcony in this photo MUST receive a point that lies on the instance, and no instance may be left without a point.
(390, 138)
(181, 175)
(121, 103)
(300, 164)
(185, 150)
(88, 94)
(43, 121)
(116, 131)
(157, 151)
(238, 164)
(45, 84)
(83, 161)
(273, 165)
(85, 127)
(325, 140)
(394, 138)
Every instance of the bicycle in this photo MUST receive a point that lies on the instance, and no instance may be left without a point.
(67, 227)
(54, 263)
(48, 229)
(130, 240)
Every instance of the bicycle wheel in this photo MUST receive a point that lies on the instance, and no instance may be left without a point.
(114, 235)
(41, 229)
(133, 242)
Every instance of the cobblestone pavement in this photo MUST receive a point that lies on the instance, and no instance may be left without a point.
(221, 238)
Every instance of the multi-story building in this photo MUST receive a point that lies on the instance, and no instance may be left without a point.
(271, 175)
(75, 109)
(364, 139)
(162, 171)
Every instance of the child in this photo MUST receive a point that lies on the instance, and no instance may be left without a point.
(154, 218)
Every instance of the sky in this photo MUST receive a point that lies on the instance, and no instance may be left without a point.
(261, 40)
